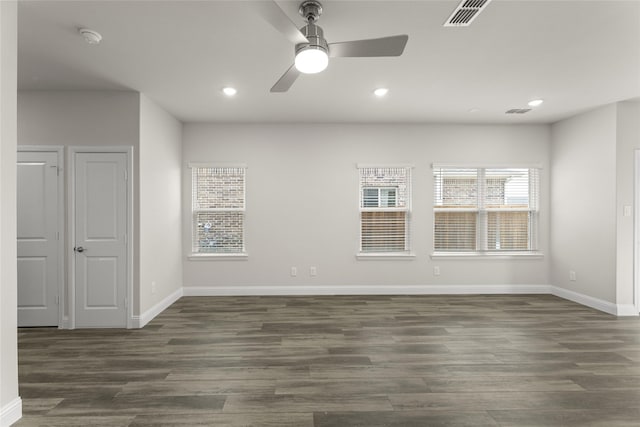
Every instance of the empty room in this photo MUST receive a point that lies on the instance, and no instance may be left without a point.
(320, 213)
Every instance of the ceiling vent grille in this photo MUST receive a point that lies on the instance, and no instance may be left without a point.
(466, 12)
(518, 111)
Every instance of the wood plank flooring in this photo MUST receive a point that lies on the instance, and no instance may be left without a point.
(524, 360)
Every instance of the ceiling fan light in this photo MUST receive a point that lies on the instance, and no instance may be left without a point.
(311, 60)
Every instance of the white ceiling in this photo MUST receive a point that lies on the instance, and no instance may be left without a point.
(574, 54)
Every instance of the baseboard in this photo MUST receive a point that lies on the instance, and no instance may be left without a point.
(597, 303)
(364, 290)
(11, 412)
(66, 324)
(627, 310)
(146, 317)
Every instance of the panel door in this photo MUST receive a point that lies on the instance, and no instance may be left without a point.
(38, 234)
(100, 249)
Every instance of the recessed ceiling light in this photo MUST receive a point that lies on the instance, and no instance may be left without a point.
(229, 91)
(474, 110)
(90, 36)
(380, 92)
(535, 102)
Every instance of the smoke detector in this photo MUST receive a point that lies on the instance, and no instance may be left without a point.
(90, 36)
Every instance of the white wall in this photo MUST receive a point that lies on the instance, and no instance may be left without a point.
(160, 231)
(627, 142)
(78, 118)
(592, 171)
(10, 403)
(302, 201)
(583, 200)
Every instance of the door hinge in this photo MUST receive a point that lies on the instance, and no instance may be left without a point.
(126, 175)
(57, 300)
(57, 235)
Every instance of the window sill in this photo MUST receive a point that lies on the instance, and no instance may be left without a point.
(386, 256)
(218, 257)
(484, 255)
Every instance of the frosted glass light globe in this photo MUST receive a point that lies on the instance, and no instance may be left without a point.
(311, 60)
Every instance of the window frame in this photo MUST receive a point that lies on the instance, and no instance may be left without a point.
(407, 252)
(482, 228)
(201, 256)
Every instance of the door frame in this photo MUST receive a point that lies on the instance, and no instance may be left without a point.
(59, 150)
(636, 233)
(71, 152)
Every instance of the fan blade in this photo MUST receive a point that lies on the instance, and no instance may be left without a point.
(385, 46)
(286, 80)
(271, 12)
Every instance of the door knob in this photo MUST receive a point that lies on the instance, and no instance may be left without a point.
(78, 249)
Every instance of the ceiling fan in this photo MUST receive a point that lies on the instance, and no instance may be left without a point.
(312, 51)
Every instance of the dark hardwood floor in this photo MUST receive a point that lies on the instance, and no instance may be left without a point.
(530, 360)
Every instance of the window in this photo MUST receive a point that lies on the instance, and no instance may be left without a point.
(374, 197)
(385, 207)
(485, 210)
(218, 206)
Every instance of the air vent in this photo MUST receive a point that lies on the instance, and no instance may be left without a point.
(518, 111)
(466, 12)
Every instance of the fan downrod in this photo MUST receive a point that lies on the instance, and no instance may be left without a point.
(310, 10)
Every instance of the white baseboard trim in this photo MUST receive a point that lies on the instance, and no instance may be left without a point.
(66, 324)
(281, 290)
(11, 412)
(597, 303)
(627, 310)
(364, 290)
(146, 317)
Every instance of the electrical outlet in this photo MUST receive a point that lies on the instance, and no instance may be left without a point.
(294, 271)
(436, 270)
(313, 271)
(572, 275)
(153, 287)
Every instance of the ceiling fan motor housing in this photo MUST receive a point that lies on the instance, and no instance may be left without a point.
(315, 35)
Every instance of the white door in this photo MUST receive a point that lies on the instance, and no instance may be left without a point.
(38, 234)
(100, 247)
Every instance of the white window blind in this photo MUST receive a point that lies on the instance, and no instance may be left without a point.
(488, 210)
(385, 206)
(218, 206)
